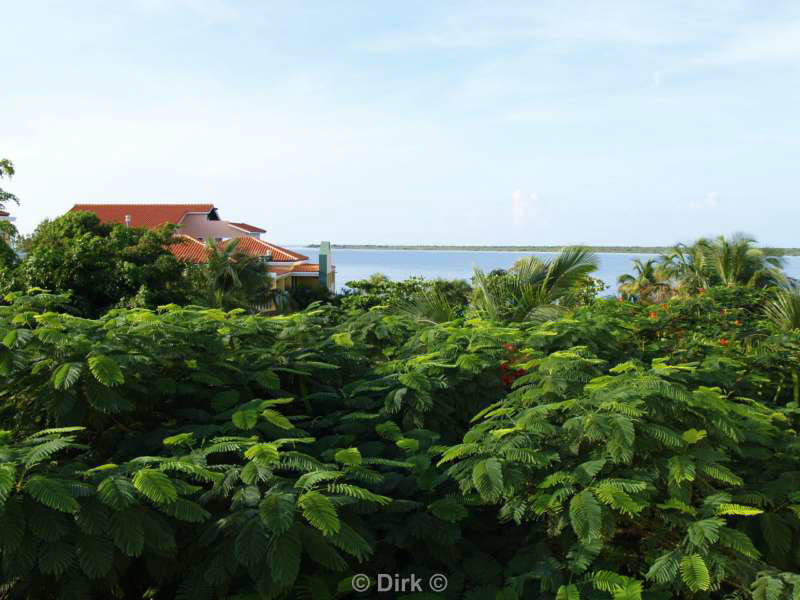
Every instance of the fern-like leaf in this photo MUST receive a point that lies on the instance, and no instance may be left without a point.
(155, 485)
(585, 515)
(487, 477)
(664, 568)
(319, 511)
(568, 592)
(284, 557)
(95, 555)
(65, 376)
(105, 370)
(51, 493)
(695, 573)
(277, 511)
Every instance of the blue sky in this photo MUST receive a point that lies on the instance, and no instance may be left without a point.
(413, 122)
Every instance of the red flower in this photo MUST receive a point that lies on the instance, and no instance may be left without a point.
(723, 342)
(653, 315)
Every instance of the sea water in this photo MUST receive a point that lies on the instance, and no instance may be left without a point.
(459, 264)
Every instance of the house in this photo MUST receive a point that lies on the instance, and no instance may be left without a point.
(198, 223)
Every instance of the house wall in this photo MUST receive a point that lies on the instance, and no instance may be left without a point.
(304, 281)
(199, 226)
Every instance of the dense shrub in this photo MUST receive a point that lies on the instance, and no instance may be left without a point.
(619, 451)
(101, 265)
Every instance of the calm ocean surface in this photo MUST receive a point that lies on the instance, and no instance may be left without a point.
(401, 264)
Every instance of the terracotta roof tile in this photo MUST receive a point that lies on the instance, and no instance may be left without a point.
(249, 228)
(188, 249)
(143, 215)
(307, 268)
(256, 247)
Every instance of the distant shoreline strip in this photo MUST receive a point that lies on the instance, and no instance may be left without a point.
(600, 249)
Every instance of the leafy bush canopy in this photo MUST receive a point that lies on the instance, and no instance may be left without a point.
(100, 265)
(618, 450)
(520, 436)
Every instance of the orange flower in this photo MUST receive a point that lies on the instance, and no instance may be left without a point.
(723, 342)
(653, 315)
(738, 323)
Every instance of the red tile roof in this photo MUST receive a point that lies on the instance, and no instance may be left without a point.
(307, 268)
(143, 215)
(249, 228)
(188, 249)
(256, 247)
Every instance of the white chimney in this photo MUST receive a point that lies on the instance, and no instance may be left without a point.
(127, 220)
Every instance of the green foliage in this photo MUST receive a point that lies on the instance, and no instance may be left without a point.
(230, 279)
(8, 258)
(721, 261)
(6, 171)
(532, 287)
(101, 266)
(648, 284)
(783, 311)
(436, 300)
(197, 453)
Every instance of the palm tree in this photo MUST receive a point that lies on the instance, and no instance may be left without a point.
(232, 279)
(532, 288)
(723, 261)
(736, 261)
(685, 266)
(783, 311)
(431, 305)
(647, 284)
(438, 301)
